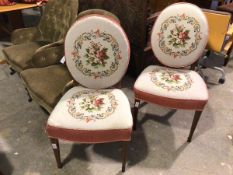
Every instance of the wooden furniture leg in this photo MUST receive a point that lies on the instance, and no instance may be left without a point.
(194, 125)
(135, 113)
(124, 155)
(56, 150)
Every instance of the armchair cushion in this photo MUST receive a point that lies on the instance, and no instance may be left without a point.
(48, 55)
(86, 115)
(24, 35)
(183, 89)
(46, 85)
(19, 56)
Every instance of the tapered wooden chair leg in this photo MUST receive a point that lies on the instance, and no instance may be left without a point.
(56, 150)
(194, 124)
(135, 113)
(124, 155)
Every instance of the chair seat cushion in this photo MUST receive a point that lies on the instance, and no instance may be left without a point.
(20, 55)
(91, 116)
(46, 84)
(182, 89)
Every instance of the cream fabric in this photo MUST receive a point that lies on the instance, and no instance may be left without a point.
(72, 113)
(179, 35)
(172, 83)
(97, 52)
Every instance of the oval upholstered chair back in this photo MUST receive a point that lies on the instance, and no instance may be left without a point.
(179, 35)
(57, 18)
(97, 51)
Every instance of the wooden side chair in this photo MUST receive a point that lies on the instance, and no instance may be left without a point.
(97, 53)
(179, 37)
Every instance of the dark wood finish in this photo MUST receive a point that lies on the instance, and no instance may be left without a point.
(227, 8)
(135, 113)
(56, 150)
(15, 19)
(158, 5)
(10, 21)
(201, 3)
(196, 118)
(124, 155)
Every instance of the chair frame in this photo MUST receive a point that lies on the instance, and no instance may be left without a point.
(55, 141)
(148, 50)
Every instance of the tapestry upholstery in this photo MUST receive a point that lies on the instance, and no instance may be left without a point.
(179, 37)
(97, 51)
(133, 15)
(185, 86)
(86, 109)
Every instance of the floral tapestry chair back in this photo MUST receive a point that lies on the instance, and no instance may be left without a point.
(97, 51)
(57, 18)
(179, 35)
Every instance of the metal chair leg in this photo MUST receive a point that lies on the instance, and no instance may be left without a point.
(222, 79)
(124, 155)
(135, 113)
(56, 150)
(194, 125)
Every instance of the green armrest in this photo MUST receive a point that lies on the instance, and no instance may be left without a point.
(23, 35)
(48, 55)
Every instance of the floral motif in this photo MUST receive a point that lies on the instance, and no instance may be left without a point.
(183, 36)
(179, 36)
(91, 105)
(171, 80)
(96, 54)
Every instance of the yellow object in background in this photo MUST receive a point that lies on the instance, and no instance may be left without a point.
(218, 27)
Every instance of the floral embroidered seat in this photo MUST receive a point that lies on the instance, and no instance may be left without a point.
(173, 88)
(91, 116)
(97, 54)
(178, 40)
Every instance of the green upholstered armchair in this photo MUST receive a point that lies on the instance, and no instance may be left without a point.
(42, 45)
(47, 85)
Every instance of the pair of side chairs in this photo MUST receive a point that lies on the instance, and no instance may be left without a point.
(97, 54)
